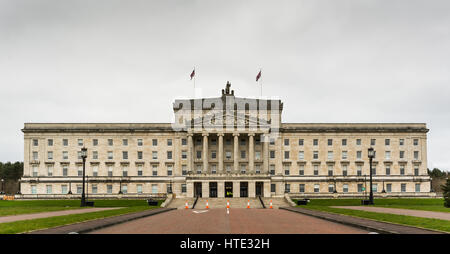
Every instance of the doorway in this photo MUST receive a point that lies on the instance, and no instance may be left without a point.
(213, 189)
(259, 186)
(198, 190)
(228, 189)
(244, 189)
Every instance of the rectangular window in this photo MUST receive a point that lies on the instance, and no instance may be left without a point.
(372, 142)
(64, 189)
(154, 170)
(402, 170)
(344, 142)
(358, 142)
(286, 170)
(257, 155)
(388, 170)
(330, 170)
(154, 188)
(199, 169)
(242, 141)
(79, 188)
(402, 142)
(79, 155)
(330, 155)
(344, 170)
(272, 154)
(272, 169)
(374, 169)
(416, 171)
(315, 142)
(33, 189)
(243, 169)
(154, 142)
(387, 155)
(416, 142)
(35, 142)
(359, 170)
(183, 188)
(257, 140)
(213, 154)
(80, 171)
(330, 188)
(272, 187)
(388, 187)
(124, 142)
(125, 171)
(258, 169)
(330, 142)
(360, 187)
(287, 188)
(94, 189)
(65, 171)
(50, 155)
(95, 171)
(109, 189)
(139, 188)
(403, 187)
(154, 155)
(110, 171)
(183, 155)
(125, 155)
(169, 142)
(345, 188)
(110, 155)
(316, 188)
(402, 154)
(124, 188)
(374, 187)
(50, 170)
(387, 142)
(315, 155)
(139, 155)
(50, 142)
(417, 187)
(344, 155)
(95, 142)
(359, 155)
(286, 155)
(110, 142)
(213, 141)
(169, 170)
(65, 142)
(301, 155)
(169, 155)
(301, 170)
(183, 141)
(199, 154)
(228, 141)
(139, 170)
(300, 142)
(228, 155)
(49, 189)
(184, 170)
(228, 168)
(242, 154)
(286, 142)
(272, 141)
(301, 188)
(65, 155)
(80, 142)
(213, 169)
(416, 155)
(140, 142)
(316, 170)
(35, 156)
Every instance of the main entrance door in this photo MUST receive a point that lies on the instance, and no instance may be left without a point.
(213, 189)
(198, 190)
(244, 189)
(259, 186)
(228, 189)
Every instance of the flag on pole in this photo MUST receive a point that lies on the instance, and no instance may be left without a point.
(258, 76)
(192, 74)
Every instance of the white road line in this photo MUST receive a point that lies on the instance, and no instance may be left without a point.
(203, 211)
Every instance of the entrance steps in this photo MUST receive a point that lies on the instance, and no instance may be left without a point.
(222, 203)
(276, 202)
(180, 203)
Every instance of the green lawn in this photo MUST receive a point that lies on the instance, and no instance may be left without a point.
(32, 206)
(16, 207)
(406, 203)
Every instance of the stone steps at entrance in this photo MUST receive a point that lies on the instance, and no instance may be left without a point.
(276, 202)
(222, 203)
(180, 203)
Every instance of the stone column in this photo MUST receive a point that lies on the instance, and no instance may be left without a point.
(236, 152)
(205, 152)
(236, 189)
(220, 152)
(190, 153)
(251, 153)
(220, 189)
(265, 156)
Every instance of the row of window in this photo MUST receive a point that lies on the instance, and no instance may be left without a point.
(332, 188)
(358, 142)
(110, 142)
(64, 189)
(344, 155)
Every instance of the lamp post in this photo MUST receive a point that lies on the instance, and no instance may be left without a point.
(70, 187)
(335, 188)
(83, 156)
(3, 186)
(371, 153)
(120, 186)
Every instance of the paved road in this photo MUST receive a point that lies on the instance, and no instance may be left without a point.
(239, 221)
(30, 216)
(409, 212)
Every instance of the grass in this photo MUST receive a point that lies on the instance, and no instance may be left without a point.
(35, 224)
(16, 207)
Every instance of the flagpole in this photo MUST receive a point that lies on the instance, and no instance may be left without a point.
(194, 81)
(260, 71)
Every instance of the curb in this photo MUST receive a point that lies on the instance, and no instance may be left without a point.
(88, 226)
(342, 220)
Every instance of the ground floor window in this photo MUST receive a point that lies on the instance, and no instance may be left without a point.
(124, 189)
(63, 189)
(417, 187)
(109, 188)
(374, 187)
(316, 188)
(403, 187)
(345, 188)
(49, 189)
(360, 187)
(287, 188)
(302, 188)
(272, 187)
(33, 189)
(183, 188)
(94, 189)
(388, 187)
(154, 188)
(139, 189)
(79, 188)
(330, 188)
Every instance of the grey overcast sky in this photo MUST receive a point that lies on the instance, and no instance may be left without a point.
(126, 61)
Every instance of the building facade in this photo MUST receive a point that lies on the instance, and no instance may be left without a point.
(225, 147)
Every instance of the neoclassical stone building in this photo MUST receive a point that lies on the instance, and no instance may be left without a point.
(225, 147)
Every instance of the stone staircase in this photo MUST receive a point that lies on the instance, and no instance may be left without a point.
(222, 203)
(180, 203)
(276, 202)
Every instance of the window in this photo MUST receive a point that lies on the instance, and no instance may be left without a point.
(124, 142)
(416, 142)
(64, 189)
(50, 142)
(213, 154)
(110, 171)
(315, 155)
(80, 171)
(387, 155)
(301, 155)
(154, 155)
(272, 154)
(213, 169)
(50, 155)
(110, 155)
(228, 141)
(344, 155)
(49, 189)
(272, 187)
(198, 141)
(183, 141)
(79, 155)
(109, 188)
(183, 155)
(124, 188)
(416, 171)
(272, 169)
(94, 155)
(360, 187)
(80, 142)
(110, 142)
(358, 142)
(95, 142)
(286, 142)
(169, 142)
(139, 170)
(139, 188)
(403, 187)
(330, 142)
(388, 170)
(417, 187)
(330, 188)
(402, 142)
(140, 143)
(300, 142)
(344, 170)
(258, 169)
(316, 188)
(388, 187)
(402, 170)
(243, 169)
(359, 155)
(286, 155)
(228, 168)
(330, 155)
(258, 140)
(315, 142)
(139, 155)
(183, 188)
(416, 155)
(95, 171)
(169, 155)
(35, 156)
(272, 141)
(301, 188)
(287, 188)
(344, 142)
(169, 170)
(213, 141)
(372, 142)
(387, 142)
(65, 155)
(33, 189)
(242, 154)
(286, 170)
(316, 170)
(184, 170)
(65, 171)
(257, 155)
(199, 154)
(228, 155)
(125, 171)
(374, 169)
(154, 142)
(94, 189)
(79, 188)
(154, 170)
(242, 141)
(345, 188)
(330, 170)
(402, 154)
(125, 155)
(50, 170)
(35, 142)
(154, 188)
(359, 170)
(65, 142)
(374, 187)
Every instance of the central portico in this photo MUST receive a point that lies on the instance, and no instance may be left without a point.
(228, 144)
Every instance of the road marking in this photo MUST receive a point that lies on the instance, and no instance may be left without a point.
(373, 233)
(204, 211)
(73, 233)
